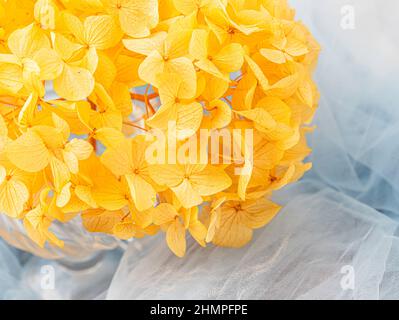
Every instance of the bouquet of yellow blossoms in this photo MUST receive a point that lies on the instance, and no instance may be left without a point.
(142, 116)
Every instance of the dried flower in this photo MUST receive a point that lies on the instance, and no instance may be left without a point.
(142, 87)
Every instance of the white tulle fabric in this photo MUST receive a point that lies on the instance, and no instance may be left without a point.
(300, 255)
(340, 221)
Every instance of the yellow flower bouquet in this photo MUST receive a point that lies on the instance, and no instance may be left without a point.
(148, 116)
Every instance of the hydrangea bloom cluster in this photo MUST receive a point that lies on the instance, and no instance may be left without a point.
(84, 84)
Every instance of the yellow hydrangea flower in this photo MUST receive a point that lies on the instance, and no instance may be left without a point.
(148, 116)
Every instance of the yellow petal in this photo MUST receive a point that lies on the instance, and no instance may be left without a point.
(186, 71)
(64, 195)
(146, 46)
(285, 87)
(142, 192)
(273, 55)
(101, 32)
(296, 48)
(105, 70)
(109, 137)
(161, 119)
(278, 109)
(244, 93)
(49, 62)
(198, 232)
(84, 193)
(169, 175)
(52, 137)
(256, 214)
(32, 223)
(28, 152)
(214, 223)
(73, 207)
(306, 93)
(63, 131)
(230, 58)
(187, 195)
(176, 238)
(137, 17)
(163, 213)
(31, 77)
(74, 25)
(210, 181)
(110, 118)
(65, 48)
(3, 127)
(81, 148)
(211, 68)
(37, 226)
(74, 83)
(101, 220)
(26, 41)
(260, 116)
(13, 196)
(244, 180)
(3, 174)
(220, 114)
(118, 158)
(71, 161)
(177, 42)
(60, 172)
(188, 119)
(198, 44)
(257, 71)
(26, 115)
(215, 88)
(232, 233)
(187, 7)
(109, 194)
(10, 78)
(120, 94)
(46, 13)
(127, 230)
(152, 66)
